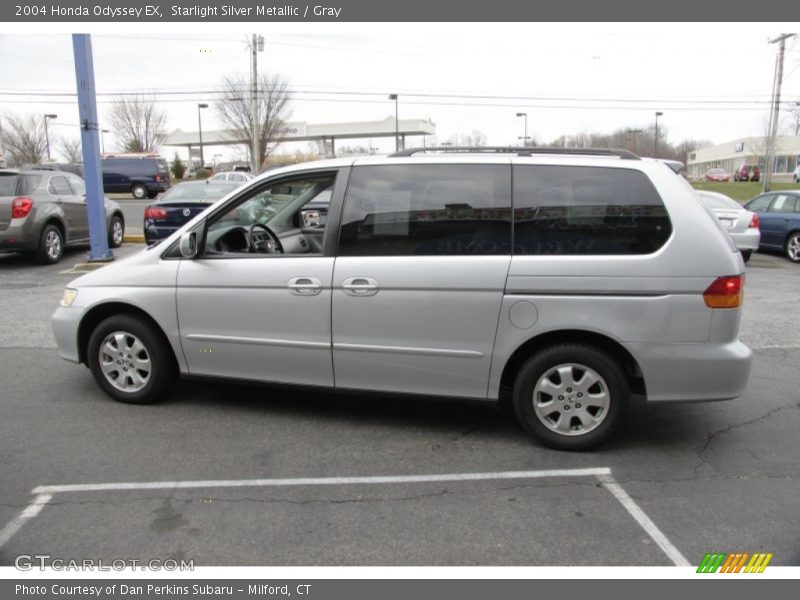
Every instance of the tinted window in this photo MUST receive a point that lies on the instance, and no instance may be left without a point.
(27, 184)
(59, 187)
(419, 210)
(586, 210)
(8, 184)
(760, 204)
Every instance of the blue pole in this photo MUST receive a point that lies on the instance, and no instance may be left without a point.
(90, 142)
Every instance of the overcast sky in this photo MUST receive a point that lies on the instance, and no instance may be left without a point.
(712, 81)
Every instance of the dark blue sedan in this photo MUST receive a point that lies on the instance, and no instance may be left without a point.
(180, 204)
(779, 218)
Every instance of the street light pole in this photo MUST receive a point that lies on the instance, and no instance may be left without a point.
(256, 46)
(46, 134)
(525, 116)
(200, 133)
(655, 143)
(396, 122)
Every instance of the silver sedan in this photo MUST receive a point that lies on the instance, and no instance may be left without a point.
(740, 223)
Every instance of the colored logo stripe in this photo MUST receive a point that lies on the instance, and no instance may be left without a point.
(734, 562)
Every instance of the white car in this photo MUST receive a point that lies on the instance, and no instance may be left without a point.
(238, 176)
(741, 224)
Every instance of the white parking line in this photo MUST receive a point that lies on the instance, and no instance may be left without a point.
(160, 485)
(603, 475)
(644, 521)
(30, 511)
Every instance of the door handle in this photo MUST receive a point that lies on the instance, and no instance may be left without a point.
(304, 286)
(360, 286)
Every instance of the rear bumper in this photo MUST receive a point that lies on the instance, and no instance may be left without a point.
(19, 236)
(693, 372)
(746, 240)
(153, 233)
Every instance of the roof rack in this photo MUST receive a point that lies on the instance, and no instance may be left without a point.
(519, 151)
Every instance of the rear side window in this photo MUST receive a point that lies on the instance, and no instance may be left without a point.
(424, 210)
(760, 204)
(8, 183)
(562, 210)
(28, 184)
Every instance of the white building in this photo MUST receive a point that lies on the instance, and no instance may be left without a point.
(750, 151)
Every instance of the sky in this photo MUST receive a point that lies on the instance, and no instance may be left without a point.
(711, 81)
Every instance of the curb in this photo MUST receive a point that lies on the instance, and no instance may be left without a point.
(133, 238)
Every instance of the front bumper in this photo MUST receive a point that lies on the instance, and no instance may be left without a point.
(64, 323)
(693, 372)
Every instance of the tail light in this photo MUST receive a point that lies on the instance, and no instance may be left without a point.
(725, 292)
(155, 213)
(20, 207)
(754, 221)
(158, 178)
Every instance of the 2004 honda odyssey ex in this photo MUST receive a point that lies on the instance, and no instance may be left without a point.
(568, 278)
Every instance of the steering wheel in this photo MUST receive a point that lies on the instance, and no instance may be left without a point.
(256, 243)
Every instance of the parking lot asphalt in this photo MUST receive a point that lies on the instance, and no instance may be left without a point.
(711, 477)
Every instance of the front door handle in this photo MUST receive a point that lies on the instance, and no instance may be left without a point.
(304, 286)
(360, 286)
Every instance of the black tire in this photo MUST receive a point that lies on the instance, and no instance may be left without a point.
(51, 245)
(541, 367)
(161, 361)
(115, 236)
(746, 254)
(139, 191)
(791, 248)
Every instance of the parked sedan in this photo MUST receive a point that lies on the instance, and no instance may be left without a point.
(742, 225)
(717, 175)
(779, 215)
(42, 211)
(237, 176)
(180, 204)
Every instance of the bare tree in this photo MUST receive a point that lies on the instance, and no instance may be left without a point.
(139, 122)
(71, 150)
(235, 110)
(23, 139)
(475, 138)
(791, 125)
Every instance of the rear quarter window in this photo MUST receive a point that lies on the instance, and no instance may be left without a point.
(560, 210)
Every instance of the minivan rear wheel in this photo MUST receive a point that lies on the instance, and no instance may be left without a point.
(129, 360)
(571, 396)
(139, 191)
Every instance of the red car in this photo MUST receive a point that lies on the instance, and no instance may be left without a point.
(747, 173)
(717, 175)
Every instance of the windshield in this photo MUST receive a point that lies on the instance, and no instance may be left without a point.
(720, 202)
(716, 171)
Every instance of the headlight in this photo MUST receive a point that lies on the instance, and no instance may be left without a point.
(69, 297)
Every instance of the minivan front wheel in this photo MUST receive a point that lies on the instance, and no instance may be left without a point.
(129, 360)
(139, 191)
(571, 396)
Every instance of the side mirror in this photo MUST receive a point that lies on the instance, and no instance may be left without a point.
(188, 245)
(311, 219)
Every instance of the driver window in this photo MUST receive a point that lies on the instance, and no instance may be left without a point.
(283, 217)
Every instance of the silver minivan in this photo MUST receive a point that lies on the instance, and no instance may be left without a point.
(564, 280)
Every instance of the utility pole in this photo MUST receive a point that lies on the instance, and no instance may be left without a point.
(774, 113)
(256, 46)
(655, 142)
(395, 97)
